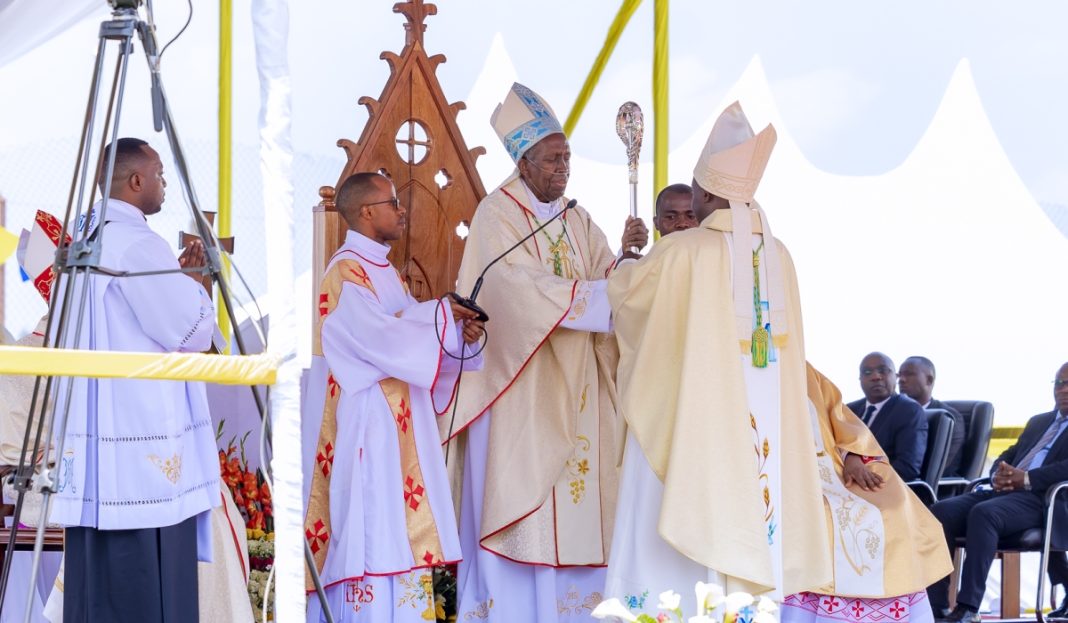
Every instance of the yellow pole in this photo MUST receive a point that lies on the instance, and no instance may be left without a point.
(660, 97)
(614, 31)
(225, 142)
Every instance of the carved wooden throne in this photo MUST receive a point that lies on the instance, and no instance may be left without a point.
(412, 138)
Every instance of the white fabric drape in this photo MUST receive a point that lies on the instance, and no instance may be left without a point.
(270, 21)
(25, 24)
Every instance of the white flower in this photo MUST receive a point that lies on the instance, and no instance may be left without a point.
(764, 617)
(613, 608)
(669, 600)
(736, 601)
(767, 605)
(709, 596)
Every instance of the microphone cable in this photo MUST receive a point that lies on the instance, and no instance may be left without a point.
(455, 395)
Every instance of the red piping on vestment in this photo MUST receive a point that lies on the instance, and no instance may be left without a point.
(526, 214)
(574, 286)
(233, 533)
(357, 578)
(371, 262)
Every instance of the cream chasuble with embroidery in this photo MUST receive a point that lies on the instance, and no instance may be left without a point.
(377, 494)
(731, 443)
(550, 477)
(885, 543)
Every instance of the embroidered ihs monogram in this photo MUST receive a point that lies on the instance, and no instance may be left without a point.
(171, 468)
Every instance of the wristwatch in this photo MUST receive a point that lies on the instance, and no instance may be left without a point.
(1027, 481)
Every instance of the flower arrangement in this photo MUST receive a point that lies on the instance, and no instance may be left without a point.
(713, 606)
(444, 594)
(250, 491)
(261, 559)
(253, 500)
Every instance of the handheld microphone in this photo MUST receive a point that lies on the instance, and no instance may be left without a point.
(469, 302)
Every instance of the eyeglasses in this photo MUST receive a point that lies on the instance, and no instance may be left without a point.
(393, 201)
(1057, 384)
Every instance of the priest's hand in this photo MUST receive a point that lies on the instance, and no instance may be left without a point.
(459, 312)
(856, 471)
(473, 331)
(635, 236)
(193, 256)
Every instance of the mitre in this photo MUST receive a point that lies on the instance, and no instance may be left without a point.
(522, 120)
(733, 160)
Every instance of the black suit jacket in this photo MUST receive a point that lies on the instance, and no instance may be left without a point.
(956, 443)
(1053, 469)
(900, 427)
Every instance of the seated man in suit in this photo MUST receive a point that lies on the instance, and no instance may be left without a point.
(898, 422)
(1020, 477)
(916, 379)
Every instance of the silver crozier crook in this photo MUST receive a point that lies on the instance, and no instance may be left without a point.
(630, 125)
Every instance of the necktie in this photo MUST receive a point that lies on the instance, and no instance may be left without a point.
(1051, 432)
(868, 413)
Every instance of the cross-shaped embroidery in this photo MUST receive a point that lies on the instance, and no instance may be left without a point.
(325, 458)
(404, 416)
(831, 603)
(897, 610)
(319, 537)
(413, 493)
(324, 304)
(857, 608)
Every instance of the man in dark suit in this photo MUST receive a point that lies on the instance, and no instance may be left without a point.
(1020, 477)
(916, 379)
(898, 422)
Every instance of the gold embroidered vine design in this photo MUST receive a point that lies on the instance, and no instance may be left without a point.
(573, 604)
(578, 467)
(762, 447)
(171, 468)
(480, 612)
(852, 533)
(419, 592)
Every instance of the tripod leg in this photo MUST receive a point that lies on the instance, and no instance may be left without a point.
(80, 165)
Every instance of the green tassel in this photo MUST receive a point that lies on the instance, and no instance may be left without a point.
(759, 348)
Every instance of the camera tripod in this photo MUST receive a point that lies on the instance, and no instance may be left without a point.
(79, 259)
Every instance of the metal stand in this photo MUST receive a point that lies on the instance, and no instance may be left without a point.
(76, 261)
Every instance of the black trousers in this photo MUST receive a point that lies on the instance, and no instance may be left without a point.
(143, 576)
(983, 517)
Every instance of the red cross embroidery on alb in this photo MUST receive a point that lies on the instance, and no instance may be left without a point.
(319, 537)
(413, 493)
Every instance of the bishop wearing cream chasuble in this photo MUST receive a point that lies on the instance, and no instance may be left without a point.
(730, 474)
(379, 515)
(540, 474)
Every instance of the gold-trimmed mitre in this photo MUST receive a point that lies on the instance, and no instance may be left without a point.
(734, 159)
(522, 120)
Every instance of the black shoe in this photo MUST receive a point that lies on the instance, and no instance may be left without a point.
(941, 613)
(1062, 611)
(963, 614)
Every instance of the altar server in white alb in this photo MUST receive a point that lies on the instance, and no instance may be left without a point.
(379, 511)
(139, 471)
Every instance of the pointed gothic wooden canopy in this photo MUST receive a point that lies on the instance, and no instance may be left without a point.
(412, 137)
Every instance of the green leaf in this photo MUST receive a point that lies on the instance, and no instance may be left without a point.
(645, 618)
